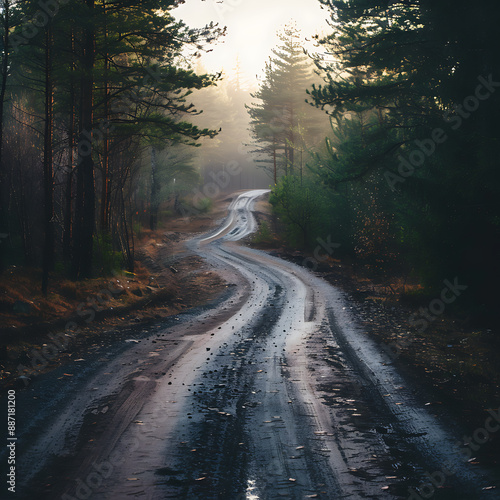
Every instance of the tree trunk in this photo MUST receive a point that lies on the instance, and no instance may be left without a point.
(105, 188)
(301, 166)
(68, 212)
(48, 247)
(5, 69)
(274, 164)
(155, 188)
(85, 216)
(128, 248)
(78, 221)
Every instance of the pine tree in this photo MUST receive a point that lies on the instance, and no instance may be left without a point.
(282, 122)
(417, 67)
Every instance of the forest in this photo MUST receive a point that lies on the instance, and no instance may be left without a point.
(87, 89)
(249, 249)
(383, 141)
(406, 181)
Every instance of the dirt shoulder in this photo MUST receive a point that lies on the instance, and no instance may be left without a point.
(167, 280)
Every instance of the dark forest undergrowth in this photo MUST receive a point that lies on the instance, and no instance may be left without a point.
(452, 357)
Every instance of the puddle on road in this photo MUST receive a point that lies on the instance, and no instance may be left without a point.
(251, 493)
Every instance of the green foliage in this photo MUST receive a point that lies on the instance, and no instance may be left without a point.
(301, 205)
(118, 77)
(107, 259)
(283, 125)
(204, 205)
(402, 72)
(263, 236)
(138, 229)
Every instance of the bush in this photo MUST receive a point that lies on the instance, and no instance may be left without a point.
(204, 205)
(263, 235)
(109, 259)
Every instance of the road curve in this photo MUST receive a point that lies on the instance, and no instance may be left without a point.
(274, 392)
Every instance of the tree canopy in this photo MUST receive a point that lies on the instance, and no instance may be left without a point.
(282, 124)
(412, 85)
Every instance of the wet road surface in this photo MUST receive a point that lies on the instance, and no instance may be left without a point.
(271, 392)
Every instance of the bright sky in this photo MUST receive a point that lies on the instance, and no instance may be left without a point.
(251, 29)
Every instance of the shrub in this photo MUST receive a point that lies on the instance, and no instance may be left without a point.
(204, 205)
(110, 260)
(263, 235)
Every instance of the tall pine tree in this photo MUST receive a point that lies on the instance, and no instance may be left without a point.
(282, 123)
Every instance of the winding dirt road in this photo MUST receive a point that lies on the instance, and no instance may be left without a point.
(272, 392)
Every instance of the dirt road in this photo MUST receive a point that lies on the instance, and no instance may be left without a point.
(272, 391)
